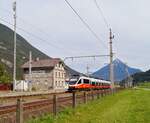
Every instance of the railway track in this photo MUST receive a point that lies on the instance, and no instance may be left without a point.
(35, 108)
(63, 97)
(11, 99)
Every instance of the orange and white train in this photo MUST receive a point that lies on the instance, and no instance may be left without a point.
(87, 83)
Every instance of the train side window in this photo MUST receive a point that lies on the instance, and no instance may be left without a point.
(86, 81)
(93, 83)
(79, 81)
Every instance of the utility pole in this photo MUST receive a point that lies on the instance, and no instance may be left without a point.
(14, 70)
(87, 68)
(30, 70)
(129, 79)
(111, 72)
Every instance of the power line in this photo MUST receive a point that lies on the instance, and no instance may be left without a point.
(35, 36)
(101, 12)
(28, 32)
(85, 23)
(89, 56)
(24, 21)
(40, 30)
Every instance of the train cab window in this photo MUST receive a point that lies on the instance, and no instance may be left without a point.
(86, 81)
(72, 82)
(79, 82)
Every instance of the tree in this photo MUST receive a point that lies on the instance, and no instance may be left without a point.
(4, 76)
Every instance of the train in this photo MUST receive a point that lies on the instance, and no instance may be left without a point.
(88, 83)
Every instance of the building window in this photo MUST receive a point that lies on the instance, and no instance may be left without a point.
(56, 74)
(64, 75)
(59, 74)
(59, 83)
(56, 83)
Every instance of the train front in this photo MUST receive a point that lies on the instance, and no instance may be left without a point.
(72, 84)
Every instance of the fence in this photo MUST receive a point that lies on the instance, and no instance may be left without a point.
(5, 87)
(23, 111)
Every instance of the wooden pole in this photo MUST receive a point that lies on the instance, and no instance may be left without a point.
(19, 111)
(73, 99)
(92, 95)
(85, 97)
(98, 95)
(54, 104)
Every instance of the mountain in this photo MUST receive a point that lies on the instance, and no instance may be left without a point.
(141, 77)
(23, 48)
(121, 71)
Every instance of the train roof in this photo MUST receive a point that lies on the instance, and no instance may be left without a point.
(93, 79)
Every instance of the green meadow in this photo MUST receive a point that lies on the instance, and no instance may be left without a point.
(127, 106)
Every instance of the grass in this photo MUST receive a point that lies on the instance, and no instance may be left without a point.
(144, 85)
(129, 106)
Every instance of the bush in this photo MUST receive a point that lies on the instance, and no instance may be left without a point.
(4, 76)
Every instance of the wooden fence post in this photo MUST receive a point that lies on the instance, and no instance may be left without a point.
(85, 97)
(54, 104)
(73, 99)
(106, 92)
(109, 91)
(92, 95)
(19, 111)
(103, 93)
(98, 95)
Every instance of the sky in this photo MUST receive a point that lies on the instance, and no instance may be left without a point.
(58, 32)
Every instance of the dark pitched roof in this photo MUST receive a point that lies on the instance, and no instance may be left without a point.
(43, 63)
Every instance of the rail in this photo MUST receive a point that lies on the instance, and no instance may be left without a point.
(23, 111)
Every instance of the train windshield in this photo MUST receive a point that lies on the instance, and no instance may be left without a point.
(72, 82)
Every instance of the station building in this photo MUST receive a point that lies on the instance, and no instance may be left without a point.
(46, 74)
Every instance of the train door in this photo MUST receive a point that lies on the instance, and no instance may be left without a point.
(86, 83)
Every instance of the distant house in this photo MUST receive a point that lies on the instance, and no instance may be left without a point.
(46, 74)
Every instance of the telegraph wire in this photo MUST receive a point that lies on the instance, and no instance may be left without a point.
(85, 23)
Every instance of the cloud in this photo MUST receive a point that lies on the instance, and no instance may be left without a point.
(128, 19)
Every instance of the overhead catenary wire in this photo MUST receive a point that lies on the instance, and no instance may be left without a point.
(57, 47)
(85, 23)
(102, 14)
(33, 35)
(33, 26)
(25, 22)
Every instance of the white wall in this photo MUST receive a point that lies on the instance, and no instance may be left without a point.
(22, 85)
